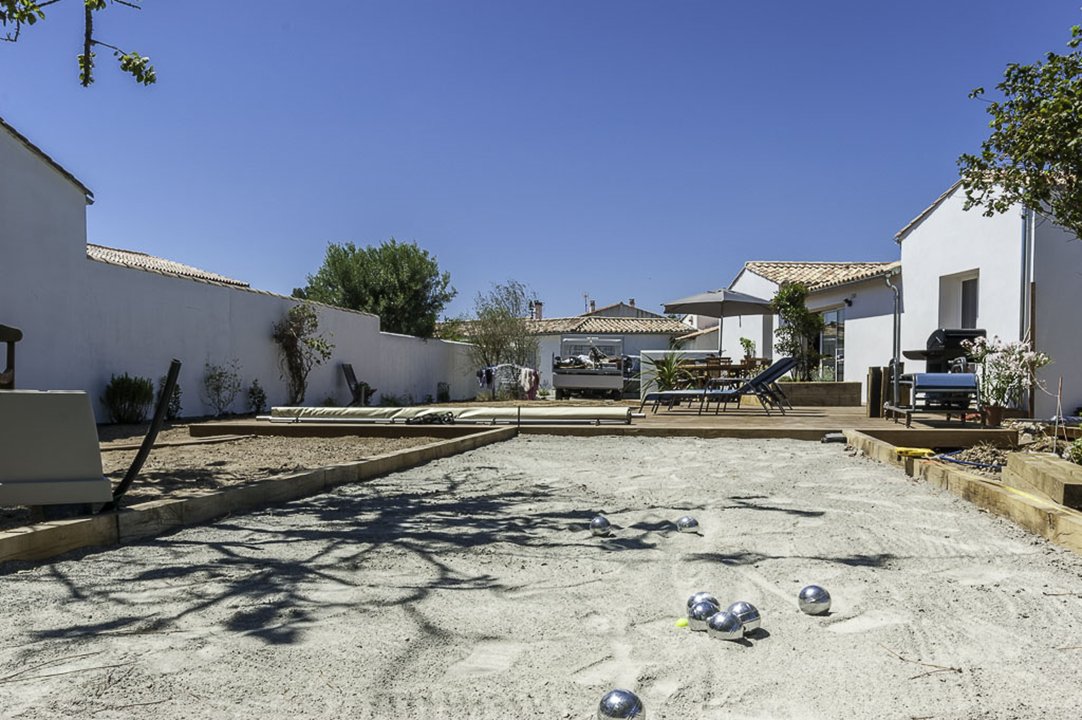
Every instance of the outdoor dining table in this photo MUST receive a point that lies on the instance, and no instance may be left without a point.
(704, 374)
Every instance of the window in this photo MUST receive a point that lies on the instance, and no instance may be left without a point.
(959, 300)
(832, 346)
(969, 303)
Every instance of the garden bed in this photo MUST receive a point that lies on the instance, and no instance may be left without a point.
(180, 467)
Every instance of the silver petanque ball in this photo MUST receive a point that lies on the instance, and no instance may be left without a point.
(814, 600)
(726, 625)
(687, 524)
(600, 526)
(700, 613)
(621, 704)
(748, 614)
(701, 597)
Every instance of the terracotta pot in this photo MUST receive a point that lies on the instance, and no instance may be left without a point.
(993, 415)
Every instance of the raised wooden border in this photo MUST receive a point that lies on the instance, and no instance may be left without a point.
(1037, 514)
(46, 540)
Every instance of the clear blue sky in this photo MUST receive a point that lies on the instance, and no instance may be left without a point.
(615, 147)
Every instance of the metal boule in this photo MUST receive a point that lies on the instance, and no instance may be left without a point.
(725, 625)
(702, 597)
(814, 600)
(687, 524)
(600, 526)
(700, 613)
(621, 704)
(748, 614)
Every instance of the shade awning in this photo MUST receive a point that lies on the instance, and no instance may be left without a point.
(720, 303)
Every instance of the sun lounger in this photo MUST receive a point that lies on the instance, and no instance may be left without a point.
(950, 393)
(763, 386)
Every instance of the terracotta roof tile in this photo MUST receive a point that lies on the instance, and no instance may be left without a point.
(142, 261)
(595, 325)
(819, 275)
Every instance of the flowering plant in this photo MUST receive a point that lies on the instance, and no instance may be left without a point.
(1007, 369)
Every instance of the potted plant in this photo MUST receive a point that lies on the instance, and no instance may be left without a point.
(749, 348)
(667, 373)
(1007, 370)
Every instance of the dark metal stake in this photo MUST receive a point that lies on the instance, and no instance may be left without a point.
(148, 441)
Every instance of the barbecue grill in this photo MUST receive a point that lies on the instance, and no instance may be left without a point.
(944, 348)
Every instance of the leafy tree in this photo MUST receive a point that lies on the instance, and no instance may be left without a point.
(1034, 153)
(798, 336)
(400, 282)
(302, 348)
(500, 334)
(18, 14)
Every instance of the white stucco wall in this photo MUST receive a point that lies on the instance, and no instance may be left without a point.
(1057, 272)
(759, 328)
(869, 324)
(706, 343)
(84, 321)
(950, 241)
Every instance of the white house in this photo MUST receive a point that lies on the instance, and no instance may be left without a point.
(856, 303)
(88, 311)
(1016, 275)
(621, 309)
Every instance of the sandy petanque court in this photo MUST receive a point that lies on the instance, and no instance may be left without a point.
(471, 588)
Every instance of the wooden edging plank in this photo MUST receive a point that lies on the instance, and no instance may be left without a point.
(46, 540)
(1037, 514)
(106, 447)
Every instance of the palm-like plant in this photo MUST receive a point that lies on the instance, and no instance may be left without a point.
(666, 373)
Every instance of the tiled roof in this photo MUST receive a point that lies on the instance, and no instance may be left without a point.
(142, 261)
(700, 333)
(41, 153)
(595, 325)
(819, 275)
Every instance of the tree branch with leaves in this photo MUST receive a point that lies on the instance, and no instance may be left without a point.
(1033, 155)
(301, 347)
(15, 15)
(501, 333)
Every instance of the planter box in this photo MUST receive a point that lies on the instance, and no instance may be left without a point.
(833, 394)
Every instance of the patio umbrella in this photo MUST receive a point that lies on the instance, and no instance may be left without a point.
(720, 304)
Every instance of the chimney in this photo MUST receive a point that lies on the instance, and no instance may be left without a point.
(593, 305)
(631, 302)
(537, 306)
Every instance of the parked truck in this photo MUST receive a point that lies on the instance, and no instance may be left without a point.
(591, 366)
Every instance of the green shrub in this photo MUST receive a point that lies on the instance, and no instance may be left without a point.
(172, 410)
(127, 399)
(669, 373)
(257, 398)
(221, 383)
(392, 400)
(1074, 452)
